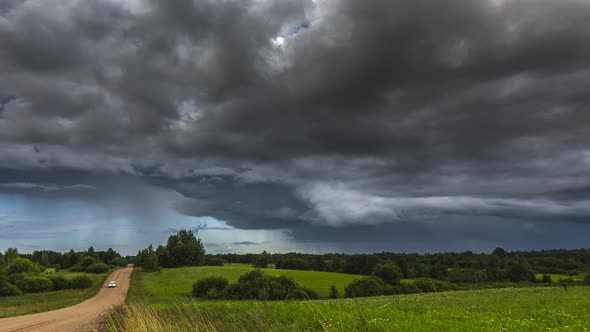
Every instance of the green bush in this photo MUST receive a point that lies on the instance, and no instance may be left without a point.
(213, 261)
(520, 271)
(34, 285)
(8, 289)
(369, 286)
(334, 294)
(428, 285)
(587, 280)
(388, 272)
(14, 278)
(203, 287)
(546, 279)
(97, 268)
(87, 261)
(80, 282)
(567, 280)
(22, 265)
(59, 283)
(256, 285)
(77, 268)
(467, 276)
(119, 261)
(401, 289)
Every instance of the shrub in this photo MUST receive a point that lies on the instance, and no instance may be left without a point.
(34, 285)
(587, 280)
(256, 285)
(77, 268)
(119, 261)
(467, 276)
(520, 271)
(204, 286)
(59, 283)
(401, 289)
(438, 271)
(334, 294)
(546, 279)
(568, 280)
(22, 265)
(428, 285)
(261, 263)
(87, 261)
(8, 289)
(496, 275)
(369, 286)
(97, 268)
(388, 272)
(80, 282)
(14, 278)
(213, 261)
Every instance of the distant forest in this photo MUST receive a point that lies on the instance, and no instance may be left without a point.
(385, 271)
(500, 265)
(70, 260)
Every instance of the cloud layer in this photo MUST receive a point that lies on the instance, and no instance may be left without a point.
(305, 115)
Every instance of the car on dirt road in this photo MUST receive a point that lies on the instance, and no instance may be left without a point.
(112, 284)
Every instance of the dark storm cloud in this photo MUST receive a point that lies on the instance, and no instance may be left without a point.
(301, 115)
(253, 206)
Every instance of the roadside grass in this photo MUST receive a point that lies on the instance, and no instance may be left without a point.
(39, 302)
(137, 293)
(171, 284)
(522, 309)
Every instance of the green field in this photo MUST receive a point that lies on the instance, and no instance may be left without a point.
(160, 302)
(39, 302)
(522, 309)
(173, 284)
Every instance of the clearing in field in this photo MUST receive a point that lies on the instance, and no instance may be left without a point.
(173, 284)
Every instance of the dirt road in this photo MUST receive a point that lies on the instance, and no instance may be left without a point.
(80, 317)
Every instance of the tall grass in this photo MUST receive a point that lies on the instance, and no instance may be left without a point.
(528, 309)
(135, 318)
(190, 316)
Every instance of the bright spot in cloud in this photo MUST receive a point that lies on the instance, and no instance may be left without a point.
(278, 41)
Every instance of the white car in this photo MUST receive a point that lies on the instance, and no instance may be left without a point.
(112, 284)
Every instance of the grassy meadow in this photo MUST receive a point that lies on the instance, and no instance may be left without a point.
(161, 302)
(170, 285)
(508, 309)
(39, 302)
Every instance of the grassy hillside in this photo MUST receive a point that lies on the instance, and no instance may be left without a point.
(523, 309)
(174, 284)
(39, 302)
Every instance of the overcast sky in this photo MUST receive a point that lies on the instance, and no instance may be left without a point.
(316, 126)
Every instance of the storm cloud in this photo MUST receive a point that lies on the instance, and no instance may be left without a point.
(356, 118)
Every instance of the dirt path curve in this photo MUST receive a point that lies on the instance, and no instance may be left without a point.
(80, 317)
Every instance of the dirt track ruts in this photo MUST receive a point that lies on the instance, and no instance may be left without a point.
(83, 316)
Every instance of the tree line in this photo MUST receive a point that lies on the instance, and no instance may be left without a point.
(181, 249)
(34, 273)
(185, 249)
(64, 260)
(465, 267)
